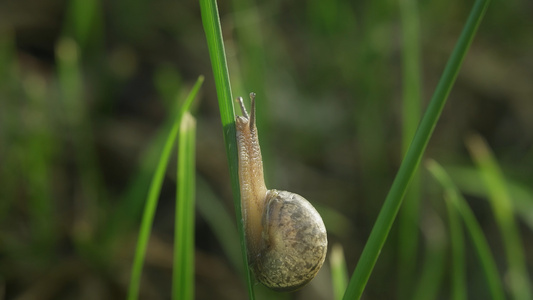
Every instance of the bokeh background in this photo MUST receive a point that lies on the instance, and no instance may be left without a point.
(86, 89)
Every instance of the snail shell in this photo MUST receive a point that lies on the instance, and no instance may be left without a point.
(285, 236)
(294, 242)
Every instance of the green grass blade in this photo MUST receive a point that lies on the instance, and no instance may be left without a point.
(502, 207)
(458, 272)
(213, 33)
(411, 89)
(413, 157)
(469, 180)
(408, 220)
(339, 272)
(433, 267)
(474, 230)
(83, 18)
(76, 123)
(183, 269)
(153, 195)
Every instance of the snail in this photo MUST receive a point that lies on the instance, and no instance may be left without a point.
(285, 236)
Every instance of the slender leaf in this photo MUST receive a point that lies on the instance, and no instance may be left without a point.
(413, 157)
(153, 195)
(339, 272)
(213, 33)
(183, 269)
(469, 180)
(502, 206)
(474, 229)
(458, 272)
(411, 110)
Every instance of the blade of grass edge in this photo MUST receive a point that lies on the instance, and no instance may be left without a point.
(183, 268)
(474, 230)
(215, 43)
(153, 195)
(413, 157)
(502, 207)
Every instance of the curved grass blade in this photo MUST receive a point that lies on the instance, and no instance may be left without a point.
(153, 195)
(502, 206)
(474, 230)
(413, 157)
(213, 34)
(458, 272)
(469, 180)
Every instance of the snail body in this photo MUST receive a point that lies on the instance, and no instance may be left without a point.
(285, 236)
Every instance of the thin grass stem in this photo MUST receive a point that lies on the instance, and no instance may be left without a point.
(411, 110)
(473, 228)
(215, 44)
(153, 195)
(183, 269)
(502, 206)
(413, 157)
(339, 272)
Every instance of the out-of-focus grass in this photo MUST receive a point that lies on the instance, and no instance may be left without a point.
(409, 217)
(153, 195)
(429, 283)
(339, 272)
(183, 268)
(79, 136)
(470, 180)
(413, 157)
(458, 272)
(455, 202)
(502, 207)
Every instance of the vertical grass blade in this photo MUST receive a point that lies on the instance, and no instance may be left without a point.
(458, 268)
(413, 157)
(411, 89)
(77, 125)
(339, 272)
(215, 43)
(473, 228)
(153, 195)
(411, 110)
(83, 18)
(183, 269)
(502, 206)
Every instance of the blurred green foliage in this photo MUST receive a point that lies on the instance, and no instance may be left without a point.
(86, 88)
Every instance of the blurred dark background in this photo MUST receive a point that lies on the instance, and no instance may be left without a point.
(86, 89)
